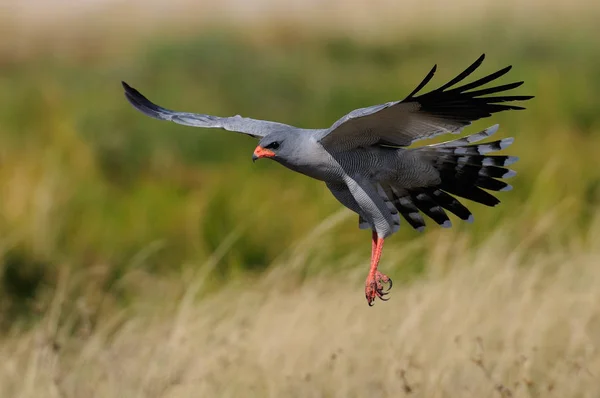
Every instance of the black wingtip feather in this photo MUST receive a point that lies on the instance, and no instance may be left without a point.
(482, 81)
(132, 94)
(144, 105)
(491, 90)
(423, 82)
(464, 106)
(459, 104)
(464, 74)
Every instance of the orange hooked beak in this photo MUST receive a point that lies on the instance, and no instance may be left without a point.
(261, 152)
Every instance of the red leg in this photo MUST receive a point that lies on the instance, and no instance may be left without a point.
(375, 279)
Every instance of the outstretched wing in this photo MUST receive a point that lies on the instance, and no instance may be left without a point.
(244, 125)
(444, 110)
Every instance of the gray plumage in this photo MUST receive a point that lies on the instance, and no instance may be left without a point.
(363, 160)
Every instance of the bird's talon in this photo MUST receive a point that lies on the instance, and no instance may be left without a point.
(390, 284)
(374, 287)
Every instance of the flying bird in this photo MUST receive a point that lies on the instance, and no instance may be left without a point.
(364, 160)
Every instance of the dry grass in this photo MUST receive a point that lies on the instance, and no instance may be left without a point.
(494, 322)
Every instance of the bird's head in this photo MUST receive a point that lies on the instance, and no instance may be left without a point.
(294, 149)
(276, 146)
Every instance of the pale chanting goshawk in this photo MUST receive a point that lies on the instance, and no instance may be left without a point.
(363, 159)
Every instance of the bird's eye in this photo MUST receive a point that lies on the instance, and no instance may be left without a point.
(272, 145)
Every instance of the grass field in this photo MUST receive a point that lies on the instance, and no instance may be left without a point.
(486, 322)
(142, 258)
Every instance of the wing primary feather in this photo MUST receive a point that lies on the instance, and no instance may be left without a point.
(492, 90)
(252, 127)
(423, 83)
(144, 105)
(464, 73)
(447, 109)
(482, 81)
(504, 98)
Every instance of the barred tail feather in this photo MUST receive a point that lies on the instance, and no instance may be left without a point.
(430, 201)
(407, 209)
(451, 204)
(465, 168)
(470, 139)
(426, 203)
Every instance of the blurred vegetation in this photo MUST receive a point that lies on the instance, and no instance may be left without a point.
(93, 188)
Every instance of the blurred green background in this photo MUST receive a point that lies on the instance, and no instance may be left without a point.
(124, 203)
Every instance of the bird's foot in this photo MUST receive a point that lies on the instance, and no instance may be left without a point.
(374, 287)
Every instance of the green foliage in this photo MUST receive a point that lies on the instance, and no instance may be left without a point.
(86, 181)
